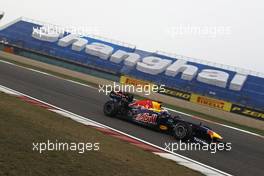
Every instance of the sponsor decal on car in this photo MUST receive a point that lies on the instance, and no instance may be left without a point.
(147, 118)
(163, 127)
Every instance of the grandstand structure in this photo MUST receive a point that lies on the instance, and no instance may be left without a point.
(18, 34)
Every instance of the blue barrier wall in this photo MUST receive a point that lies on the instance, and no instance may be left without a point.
(251, 95)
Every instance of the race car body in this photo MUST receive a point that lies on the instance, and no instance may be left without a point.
(142, 112)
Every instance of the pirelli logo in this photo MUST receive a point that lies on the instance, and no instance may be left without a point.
(211, 102)
(133, 81)
(177, 94)
(247, 112)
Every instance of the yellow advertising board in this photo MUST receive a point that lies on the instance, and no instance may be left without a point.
(247, 112)
(133, 81)
(211, 102)
(177, 94)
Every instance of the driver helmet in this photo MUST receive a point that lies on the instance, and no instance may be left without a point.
(156, 105)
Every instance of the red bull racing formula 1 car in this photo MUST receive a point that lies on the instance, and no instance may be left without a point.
(150, 114)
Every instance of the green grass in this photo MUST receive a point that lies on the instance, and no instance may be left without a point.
(184, 110)
(21, 124)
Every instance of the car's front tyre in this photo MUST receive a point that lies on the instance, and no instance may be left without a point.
(182, 131)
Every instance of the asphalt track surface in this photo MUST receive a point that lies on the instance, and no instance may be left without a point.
(245, 158)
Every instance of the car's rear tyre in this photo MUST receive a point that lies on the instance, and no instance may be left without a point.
(182, 131)
(110, 109)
